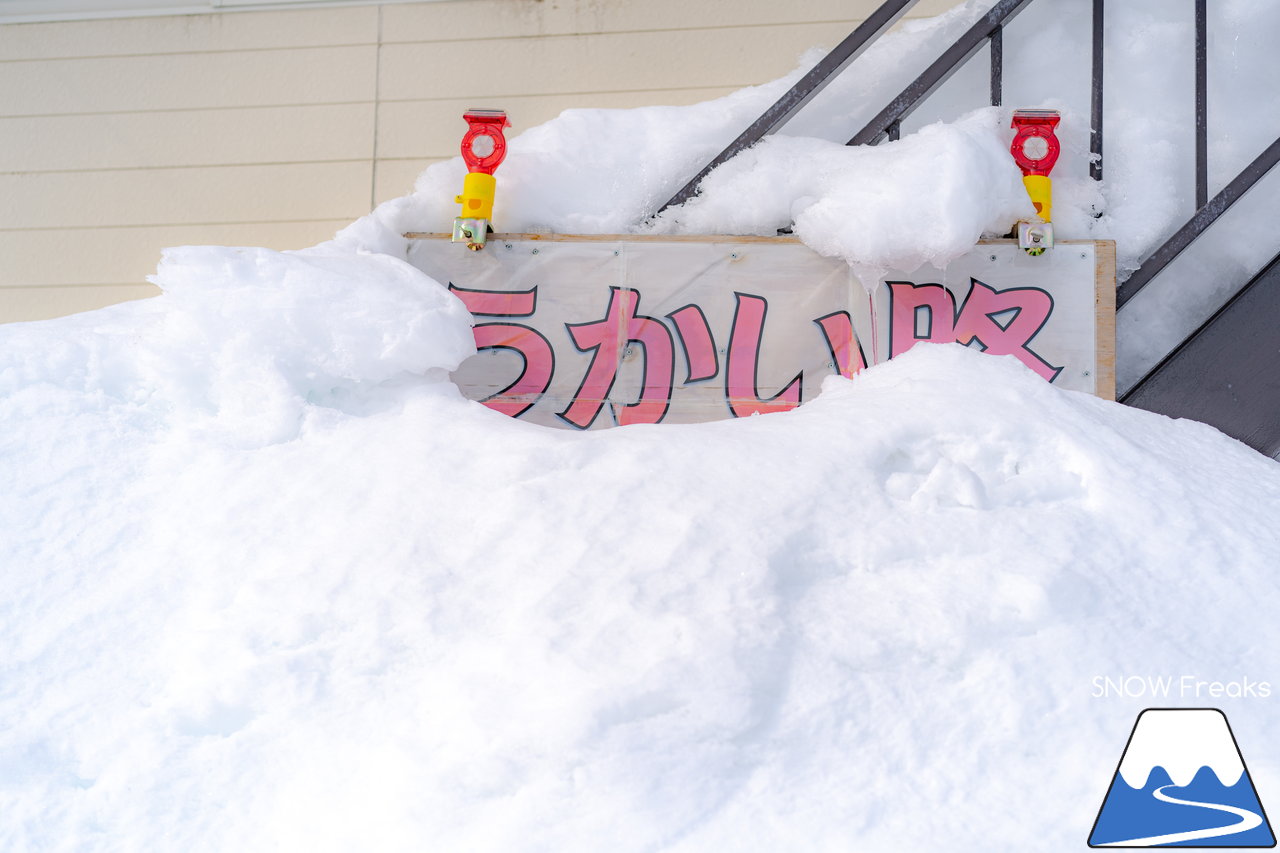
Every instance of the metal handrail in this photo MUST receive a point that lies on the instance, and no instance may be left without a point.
(1202, 104)
(988, 27)
(1207, 210)
(1095, 94)
(804, 90)
(1177, 351)
(887, 124)
(1197, 224)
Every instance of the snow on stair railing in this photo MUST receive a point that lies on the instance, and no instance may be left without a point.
(803, 91)
(1207, 210)
(988, 29)
(1205, 216)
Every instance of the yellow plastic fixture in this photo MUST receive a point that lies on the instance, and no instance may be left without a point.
(477, 196)
(1040, 188)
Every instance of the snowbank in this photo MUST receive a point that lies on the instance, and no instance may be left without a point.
(272, 583)
(857, 625)
(924, 199)
(245, 341)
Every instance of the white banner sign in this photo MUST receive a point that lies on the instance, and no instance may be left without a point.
(588, 332)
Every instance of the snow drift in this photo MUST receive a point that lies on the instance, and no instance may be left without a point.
(270, 582)
(409, 621)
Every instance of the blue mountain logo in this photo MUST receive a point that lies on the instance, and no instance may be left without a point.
(1182, 782)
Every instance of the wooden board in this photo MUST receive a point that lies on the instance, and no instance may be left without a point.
(1105, 290)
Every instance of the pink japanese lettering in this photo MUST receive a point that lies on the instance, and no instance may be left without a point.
(539, 360)
(699, 347)
(846, 350)
(741, 386)
(909, 306)
(1031, 308)
(606, 340)
(934, 306)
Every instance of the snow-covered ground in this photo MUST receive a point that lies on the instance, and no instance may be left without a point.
(283, 594)
(270, 583)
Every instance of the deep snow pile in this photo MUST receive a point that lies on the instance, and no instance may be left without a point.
(270, 582)
(392, 619)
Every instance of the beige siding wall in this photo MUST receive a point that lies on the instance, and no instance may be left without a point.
(119, 137)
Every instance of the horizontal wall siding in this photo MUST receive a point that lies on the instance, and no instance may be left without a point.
(725, 58)
(395, 178)
(512, 19)
(114, 256)
(434, 128)
(154, 197)
(39, 303)
(414, 134)
(176, 34)
(241, 136)
(314, 75)
(119, 137)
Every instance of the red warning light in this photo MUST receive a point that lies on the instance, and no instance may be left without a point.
(484, 135)
(1035, 148)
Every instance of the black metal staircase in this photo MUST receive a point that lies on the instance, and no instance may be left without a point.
(1227, 372)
